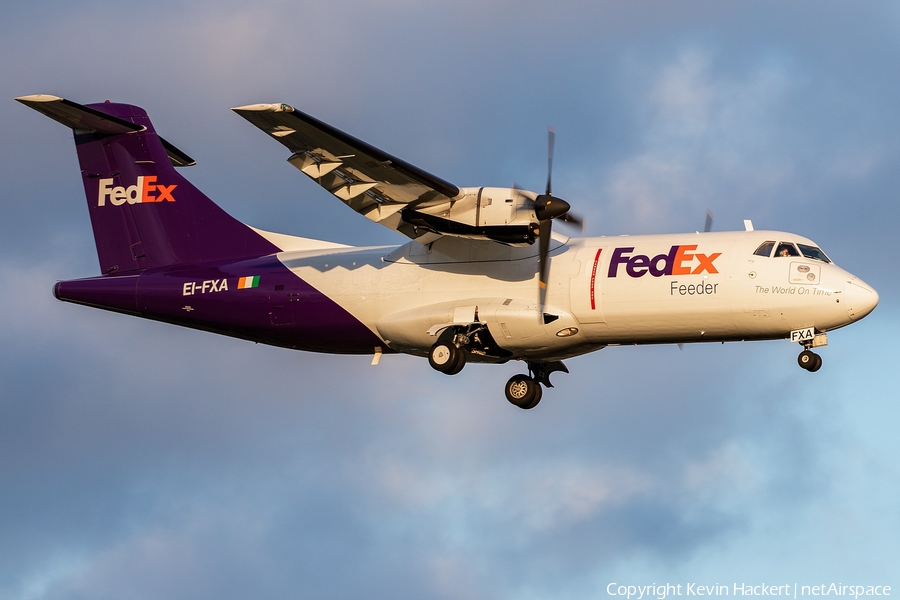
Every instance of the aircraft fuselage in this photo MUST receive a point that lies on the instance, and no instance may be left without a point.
(643, 289)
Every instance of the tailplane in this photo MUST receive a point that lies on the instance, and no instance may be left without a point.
(143, 212)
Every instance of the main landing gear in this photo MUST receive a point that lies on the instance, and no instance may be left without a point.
(525, 391)
(449, 354)
(457, 344)
(447, 358)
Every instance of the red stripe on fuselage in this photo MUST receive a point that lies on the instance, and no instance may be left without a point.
(594, 278)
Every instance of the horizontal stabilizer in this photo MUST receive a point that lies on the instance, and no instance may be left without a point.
(83, 119)
(75, 116)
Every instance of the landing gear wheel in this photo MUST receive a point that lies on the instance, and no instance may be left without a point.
(523, 391)
(538, 393)
(806, 359)
(460, 362)
(810, 361)
(817, 365)
(443, 357)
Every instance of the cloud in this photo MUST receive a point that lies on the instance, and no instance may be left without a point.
(708, 139)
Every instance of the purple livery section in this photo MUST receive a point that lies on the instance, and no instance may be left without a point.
(169, 253)
(144, 213)
(256, 299)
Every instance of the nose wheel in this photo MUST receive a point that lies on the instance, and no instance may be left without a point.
(810, 361)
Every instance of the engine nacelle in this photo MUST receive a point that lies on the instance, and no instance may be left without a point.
(500, 214)
(516, 327)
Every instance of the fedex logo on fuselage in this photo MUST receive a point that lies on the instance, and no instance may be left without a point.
(138, 193)
(680, 260)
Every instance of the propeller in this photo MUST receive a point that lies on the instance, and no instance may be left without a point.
(546, 208)
(709, 221)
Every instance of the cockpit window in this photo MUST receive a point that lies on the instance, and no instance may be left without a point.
(765, 249)
(813, 253)
(786, 249)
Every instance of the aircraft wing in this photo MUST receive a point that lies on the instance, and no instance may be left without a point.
(368, 180)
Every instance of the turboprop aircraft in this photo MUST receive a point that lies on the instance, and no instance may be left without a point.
(481, 279)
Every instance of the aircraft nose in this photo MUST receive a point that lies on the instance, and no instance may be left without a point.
(860, 297)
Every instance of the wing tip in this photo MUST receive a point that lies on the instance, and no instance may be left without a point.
(38, 98)
(264, 108)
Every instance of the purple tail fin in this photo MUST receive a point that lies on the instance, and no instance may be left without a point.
(144, 213)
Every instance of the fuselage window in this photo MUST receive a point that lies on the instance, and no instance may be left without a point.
(765, 249)
(813, 253)
(786, 249)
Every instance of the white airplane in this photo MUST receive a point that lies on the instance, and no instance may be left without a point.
(481, 279)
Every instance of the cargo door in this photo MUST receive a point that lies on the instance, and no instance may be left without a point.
(586, 287)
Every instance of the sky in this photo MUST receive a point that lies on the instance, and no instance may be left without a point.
(140, 460)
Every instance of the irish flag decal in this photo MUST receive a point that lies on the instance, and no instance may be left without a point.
(248, 282)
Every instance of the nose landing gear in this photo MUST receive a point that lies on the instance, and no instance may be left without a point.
(810, 338)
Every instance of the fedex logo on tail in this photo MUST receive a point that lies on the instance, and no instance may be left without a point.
(142, 191)
(680, 260)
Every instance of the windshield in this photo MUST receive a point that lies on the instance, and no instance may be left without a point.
(813, 253)
(765, 249)
(786, 249)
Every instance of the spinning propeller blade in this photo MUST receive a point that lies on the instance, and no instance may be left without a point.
(544, 248)
(573, 220)
(551, 140)
(709, 220)
(546, 208)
